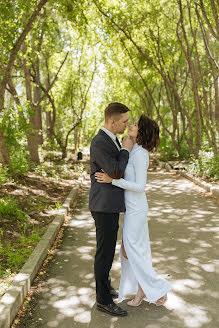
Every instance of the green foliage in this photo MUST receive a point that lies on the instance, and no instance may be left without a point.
(167, 150)
(206, 165)
(20, 163)
(32, 239)
(1, 251)
(13, 17)
(4, 174)
(78, 168)
(9, 208)
(73, 91)
(47, 169)
(15, 259)
(12, 126)
(74, 11)
(58, 205)
(139, 50)
(14, 130)
(15, 253)
(147, 48)
(61, 171)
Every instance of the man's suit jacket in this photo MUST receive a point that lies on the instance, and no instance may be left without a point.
(104, 197)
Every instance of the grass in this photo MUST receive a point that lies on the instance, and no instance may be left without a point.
(14, 250)
(27, 206)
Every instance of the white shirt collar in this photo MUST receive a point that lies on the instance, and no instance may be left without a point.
(109, 133)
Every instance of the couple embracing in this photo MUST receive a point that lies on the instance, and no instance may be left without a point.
(118, 179)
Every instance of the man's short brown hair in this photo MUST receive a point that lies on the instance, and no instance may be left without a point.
(115, 109)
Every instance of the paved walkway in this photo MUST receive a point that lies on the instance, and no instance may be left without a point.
(184, 229)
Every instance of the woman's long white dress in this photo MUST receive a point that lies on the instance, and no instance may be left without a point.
(138, 267)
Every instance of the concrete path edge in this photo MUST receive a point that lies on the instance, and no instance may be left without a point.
(207, 186)
(13, 298)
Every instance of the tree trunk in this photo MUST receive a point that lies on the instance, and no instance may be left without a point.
(165, 76)
(48, 125)
(32, 134)
(37, 93)
(33, 139)
(76, 140)
(15, 50)
(187, 49)
(38, 115)
(217, 106)
(32, 145)
(49, 121)
(64, 152)
(4, 154)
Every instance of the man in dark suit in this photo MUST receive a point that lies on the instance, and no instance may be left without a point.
(107, 201)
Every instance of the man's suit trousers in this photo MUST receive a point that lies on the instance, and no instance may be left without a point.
(107, 225)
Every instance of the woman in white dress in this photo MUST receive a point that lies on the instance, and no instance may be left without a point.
(137, 273)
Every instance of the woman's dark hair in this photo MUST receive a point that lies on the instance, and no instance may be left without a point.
(148, 133)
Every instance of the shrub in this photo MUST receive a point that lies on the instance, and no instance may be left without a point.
(169, 152)
(9, 208)
(206, 165)
(4, 174)
(20, 163)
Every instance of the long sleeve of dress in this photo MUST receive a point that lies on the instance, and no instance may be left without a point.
(141, 161)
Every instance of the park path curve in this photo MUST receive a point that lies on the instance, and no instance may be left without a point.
(183, 223)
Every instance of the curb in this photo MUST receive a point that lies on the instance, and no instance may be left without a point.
(207, 186)
(13, 298)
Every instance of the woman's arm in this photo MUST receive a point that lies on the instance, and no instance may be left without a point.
(141, 161)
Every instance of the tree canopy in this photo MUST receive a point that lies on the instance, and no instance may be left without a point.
(63, 61)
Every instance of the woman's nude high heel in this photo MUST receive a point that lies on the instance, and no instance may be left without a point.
(140, 293)
(161, 301)
(132, 302)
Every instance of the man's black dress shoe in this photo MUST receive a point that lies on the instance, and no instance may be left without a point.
(112, 309)
(113, 293)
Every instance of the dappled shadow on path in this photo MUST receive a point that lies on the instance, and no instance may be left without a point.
(183, 232)
(184, 228)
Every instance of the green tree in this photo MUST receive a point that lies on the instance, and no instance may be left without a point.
(15, 17)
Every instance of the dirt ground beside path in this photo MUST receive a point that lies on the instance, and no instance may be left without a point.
(183, 227)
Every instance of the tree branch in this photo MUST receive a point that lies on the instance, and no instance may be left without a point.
(15, 50)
